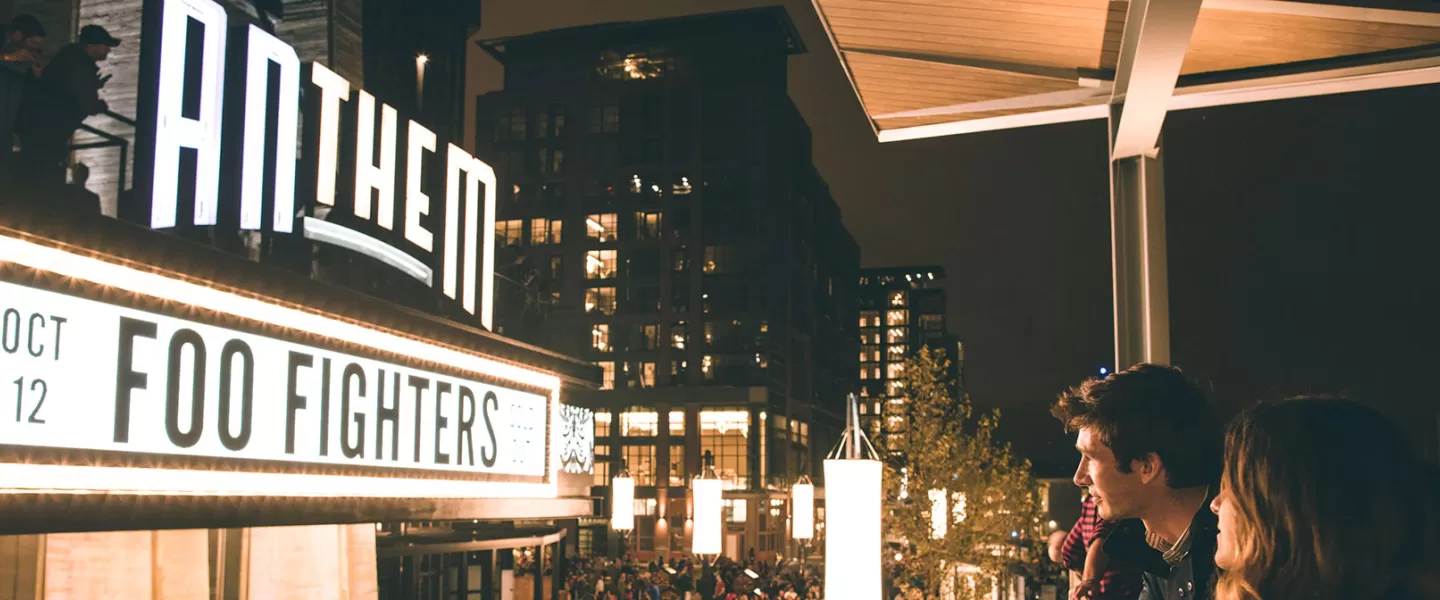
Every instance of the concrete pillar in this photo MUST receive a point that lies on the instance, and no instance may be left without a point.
(1138, 251)
(316, 561)
(21, 559)
(127, 564)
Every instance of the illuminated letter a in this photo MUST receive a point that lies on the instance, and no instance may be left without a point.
(174, 130)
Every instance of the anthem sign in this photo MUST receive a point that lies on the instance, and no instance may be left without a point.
(220, 140)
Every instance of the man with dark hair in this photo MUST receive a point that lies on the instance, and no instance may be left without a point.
(1150, 456)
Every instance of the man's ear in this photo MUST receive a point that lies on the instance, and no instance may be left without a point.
(1149, 467)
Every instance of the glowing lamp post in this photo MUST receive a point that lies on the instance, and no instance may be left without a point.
(802, 500)
(852, 516)
(622, 502)
(706, 491)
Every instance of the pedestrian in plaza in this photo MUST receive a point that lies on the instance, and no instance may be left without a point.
(1101, 578)
(1150, 453)
(1323, 499)
(69, 91)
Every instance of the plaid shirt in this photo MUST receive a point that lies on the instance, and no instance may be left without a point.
(1121, 580)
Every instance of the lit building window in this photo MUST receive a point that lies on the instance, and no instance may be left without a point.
(725, 433)
(557, 161)
(932, 322)
(602, 416)
(897, 299)
(895, 335)
(682, 188)
(600, 300)
(895, 387)
(646, 375)
(707, 366)
(508, 233)
(736, 510)
(557, 268)
(641, 462)
(555, 226)
(607, 382)
(628, 66)
(639, 422)
(602, 464)
(896, 317)
(539, 231)
(720, 259)
(677, 465)
(557, 120)
(647, 225)
(681, 260)
(600, 264)
(896, 352)
(601, 227)
(677, 428)
(870, 336)
(600, 337)
(679, 336)
(895, 370)
(870, 318)
(870, 354)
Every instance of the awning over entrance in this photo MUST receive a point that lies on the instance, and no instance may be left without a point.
(926, 68)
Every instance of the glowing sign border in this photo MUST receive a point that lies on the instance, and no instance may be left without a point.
(84, 479)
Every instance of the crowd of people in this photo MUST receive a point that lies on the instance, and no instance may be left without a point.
(721, 579)
(1317, 498)
(44, 100)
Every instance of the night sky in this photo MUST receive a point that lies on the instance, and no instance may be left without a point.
(1302, 248)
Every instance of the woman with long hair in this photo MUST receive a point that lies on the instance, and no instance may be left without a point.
(1322, 499)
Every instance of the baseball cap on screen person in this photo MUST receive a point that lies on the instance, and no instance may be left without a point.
(95, 34)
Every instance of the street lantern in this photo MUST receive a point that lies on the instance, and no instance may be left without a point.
(852, 515)
(707, 493)
(622, 501)
(802, 500)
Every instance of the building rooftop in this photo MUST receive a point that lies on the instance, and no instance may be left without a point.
(607, 33)
(932, 272)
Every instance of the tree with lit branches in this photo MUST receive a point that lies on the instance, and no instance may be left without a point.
(942, 456)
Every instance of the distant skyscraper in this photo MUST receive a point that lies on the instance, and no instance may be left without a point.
(902, 309)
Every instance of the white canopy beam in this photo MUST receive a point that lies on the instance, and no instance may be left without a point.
(1157, 34)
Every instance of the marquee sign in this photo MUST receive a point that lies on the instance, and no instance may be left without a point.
(120, 379)
(217, 142)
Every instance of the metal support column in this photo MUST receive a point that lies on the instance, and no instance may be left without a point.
(1137, 242)
(539, 578)
(558, 569)
(489, 577)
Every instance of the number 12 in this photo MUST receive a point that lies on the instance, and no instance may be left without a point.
(44, 390)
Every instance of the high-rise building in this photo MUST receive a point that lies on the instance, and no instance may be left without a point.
(902, 309)
(663, 219)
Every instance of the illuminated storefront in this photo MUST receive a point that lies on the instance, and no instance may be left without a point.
(193, 422)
